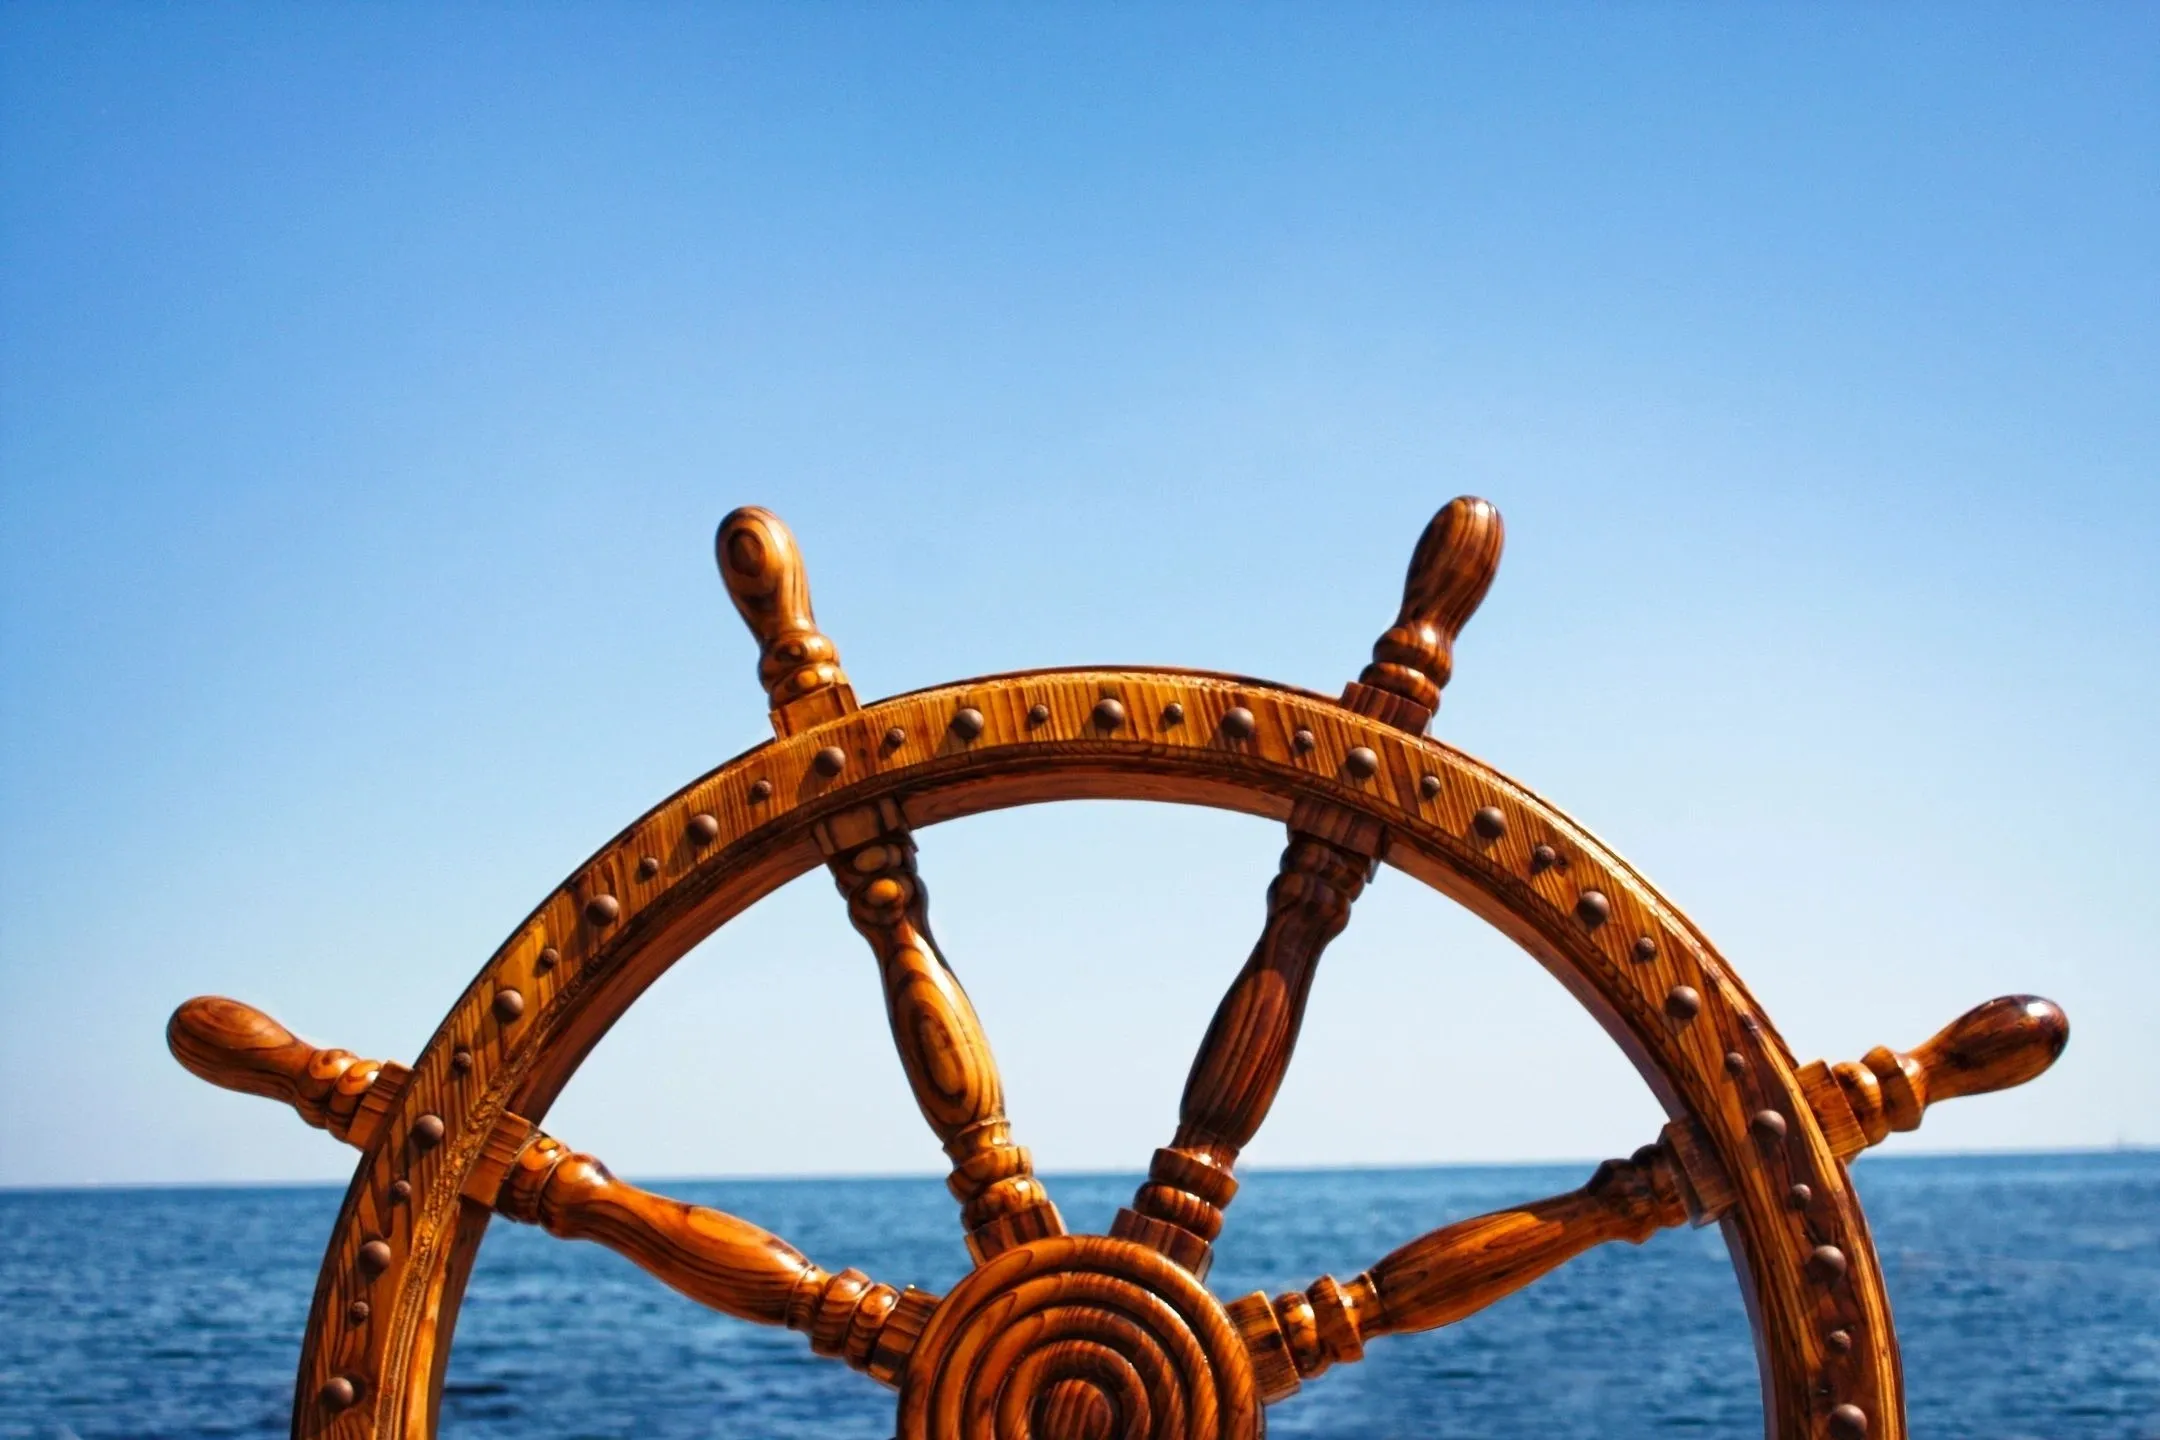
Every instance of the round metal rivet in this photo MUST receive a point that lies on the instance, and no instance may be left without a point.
(1238, 723)
(374, 1258)
(1848, 1422)
(1543, 858)
(1840, 1340)
(1735, 1063)
(1303, 742)
(760, 790)
(1362, 763)
(1750, 1024)
(1109, 714)
(895, 737)
(461, 1060)
(508, 1005)
(1645, 949)
(337, 1393)
(1038, 714)
(1489, 822)
(703, 829)
(1173, 714)
(603, 909)
(1592, 908)
(400, 1191)
(1682, 1003)
(427, 1131)
(829, 761)
(1768, 1125)
(1799, 1197)
(1825, 1264)
(1429, 787)
(648, 867)
(967, 722)
(358, 1311)
(547, 960)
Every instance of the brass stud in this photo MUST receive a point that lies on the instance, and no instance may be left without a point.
(1840, 1340)
(895, 737)
(1303, 742)
(1592, 908)
(1173, 714)
(1682, 1003)
(508, 1005)
(1826, 1264)
(1848, 1422)
(1038, 714)
(1362, 763)
(461, 1060)
(546, 960)
(967, 722)
(1645, 949)
(1800, 1197)
(1543, 858)
(647, 867)
(1109, 714)
(374, 1258)
(357, 1312)
(1768, 1126)
(760, 791)
(1238, 723)
(829, 761)
(1488, 822)
(703, 829)
(400, 1191)
(427, 1131)
(1735, 1064)
(603, 910)
(1429, 787)
(338, 1393)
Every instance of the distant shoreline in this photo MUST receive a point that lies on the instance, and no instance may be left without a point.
(936, 1177)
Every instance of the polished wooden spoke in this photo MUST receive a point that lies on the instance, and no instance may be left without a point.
(871, 855)
(1325, 866)
(716, 1259)
(1459, 1269)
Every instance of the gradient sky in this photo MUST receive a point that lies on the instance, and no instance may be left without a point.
(372, 378)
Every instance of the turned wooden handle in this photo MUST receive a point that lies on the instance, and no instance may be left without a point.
(238, 1047)
(2005, 1042)
(765, 578)
(1455, 1271)
(729, 1264)
(1450, 571)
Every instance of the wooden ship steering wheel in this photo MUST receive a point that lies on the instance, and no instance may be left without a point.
(1056, 1336)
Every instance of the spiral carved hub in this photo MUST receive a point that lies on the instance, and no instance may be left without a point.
(1079, 1337)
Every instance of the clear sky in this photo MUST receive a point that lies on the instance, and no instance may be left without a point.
(372, 378)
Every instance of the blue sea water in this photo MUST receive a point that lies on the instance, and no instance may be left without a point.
(2026, 1290)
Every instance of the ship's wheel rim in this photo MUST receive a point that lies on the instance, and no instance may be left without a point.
(739, 832)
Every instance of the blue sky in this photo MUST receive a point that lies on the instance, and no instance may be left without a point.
(372, 378)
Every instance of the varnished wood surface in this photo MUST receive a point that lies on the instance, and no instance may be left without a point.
(1753, 1143)
(731, 1265)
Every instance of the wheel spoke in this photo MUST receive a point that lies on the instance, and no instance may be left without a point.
(714, 1258)
(1455, 1271)
(1330, 857)
(941, 1043)
(872, 857)
(1459, 1269)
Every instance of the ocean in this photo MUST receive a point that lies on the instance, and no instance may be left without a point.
(2026, 1290)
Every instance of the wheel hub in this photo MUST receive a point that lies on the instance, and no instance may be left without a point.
(1079, 1337)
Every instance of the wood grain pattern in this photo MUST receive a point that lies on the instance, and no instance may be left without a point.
(2005, 1042)
(942, 1047)
(714, 1258)
(455, 1132)
(1331, 855)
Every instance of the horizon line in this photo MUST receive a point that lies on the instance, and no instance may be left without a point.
(869, 1177)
